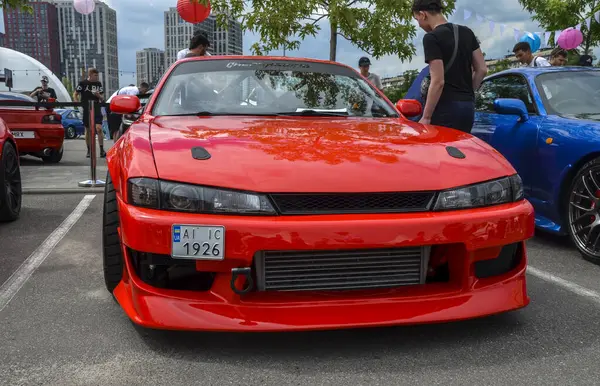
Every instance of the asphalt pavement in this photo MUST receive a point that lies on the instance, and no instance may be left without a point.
(59, 326)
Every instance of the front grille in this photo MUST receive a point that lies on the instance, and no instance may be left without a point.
(332, 203)
(341, 270)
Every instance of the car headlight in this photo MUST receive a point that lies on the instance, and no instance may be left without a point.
(500, 191)
(180, 197)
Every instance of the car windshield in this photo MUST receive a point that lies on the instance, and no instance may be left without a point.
(268, 87)
(572, 93)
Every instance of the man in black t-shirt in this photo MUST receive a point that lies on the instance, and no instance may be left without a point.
(43, 93)
(91, 89)
(454, 77)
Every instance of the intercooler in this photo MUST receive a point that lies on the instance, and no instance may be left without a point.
(325, 270)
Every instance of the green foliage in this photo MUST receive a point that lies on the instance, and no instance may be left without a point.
(555, 15)
(16, 4)
(501, 65)
(378, 27)
(67, 83)
(396, 93)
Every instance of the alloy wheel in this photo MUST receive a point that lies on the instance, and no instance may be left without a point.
(584, 211)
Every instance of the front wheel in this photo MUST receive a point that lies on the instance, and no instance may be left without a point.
(583, 211)
(11, 193)
(111, 244)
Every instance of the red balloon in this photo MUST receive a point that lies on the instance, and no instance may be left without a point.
(192, 11)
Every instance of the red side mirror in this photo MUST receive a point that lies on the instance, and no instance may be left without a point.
(125, 104)
(409, 107)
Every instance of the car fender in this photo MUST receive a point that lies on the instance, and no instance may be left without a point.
(6, 136)
(131, 156)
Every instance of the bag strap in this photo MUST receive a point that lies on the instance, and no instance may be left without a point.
(455, 52)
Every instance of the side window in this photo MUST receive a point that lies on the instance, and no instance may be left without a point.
(509, 86)
(485, 96)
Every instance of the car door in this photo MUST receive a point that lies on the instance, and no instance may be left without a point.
(514, 139)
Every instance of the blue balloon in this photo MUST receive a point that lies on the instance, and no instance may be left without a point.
(534, 40)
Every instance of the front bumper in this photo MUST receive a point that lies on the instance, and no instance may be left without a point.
(467, 237)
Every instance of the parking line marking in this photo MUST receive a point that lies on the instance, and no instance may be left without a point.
(16, 281)
(566, 284)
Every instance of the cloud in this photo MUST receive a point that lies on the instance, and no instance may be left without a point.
(140, 25)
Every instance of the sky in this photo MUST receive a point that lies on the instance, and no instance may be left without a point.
(140, 25)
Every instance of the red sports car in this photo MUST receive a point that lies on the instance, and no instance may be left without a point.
(264, 194)
(10, 176)
(38, 131)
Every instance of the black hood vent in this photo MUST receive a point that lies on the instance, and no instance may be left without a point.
(454, 152)
(200, 153)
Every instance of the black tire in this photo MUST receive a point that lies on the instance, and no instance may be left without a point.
(111, 244)
(55, 157)
(70, 132)
(585, 183)
(11, 192)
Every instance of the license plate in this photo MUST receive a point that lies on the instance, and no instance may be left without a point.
(23, 134)
(198, 242)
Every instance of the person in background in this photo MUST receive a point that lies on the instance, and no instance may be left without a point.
(91, 89)
(131, 90)
(43, 93)
(558, 57)
(523, 53)
(450, 98)
(193, 43)
(198, 46)
(585, 60)
(114, 119)
(365, 64)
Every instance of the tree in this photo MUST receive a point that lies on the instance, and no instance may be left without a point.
(395, 93)
(501, 65)
(556, 15)
(377, 27)
(17, 4)
(67, 83)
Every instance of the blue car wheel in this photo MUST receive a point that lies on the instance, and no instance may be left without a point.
(583, 211)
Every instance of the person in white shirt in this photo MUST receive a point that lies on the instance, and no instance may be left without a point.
(523, 53)
(198, 47)
(114, 120)
(131, 90)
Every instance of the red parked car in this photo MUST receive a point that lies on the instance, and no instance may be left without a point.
(38, 131)
(270, 194)
(10, 176)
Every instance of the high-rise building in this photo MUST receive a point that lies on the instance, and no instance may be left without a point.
(150, 65)
(1, 39)
(88, 41)
(38, 42)
(178, 32)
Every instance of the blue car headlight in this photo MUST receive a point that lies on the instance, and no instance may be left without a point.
(180, 197)
(495, 192)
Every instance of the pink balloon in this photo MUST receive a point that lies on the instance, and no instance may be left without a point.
(84, 7)
(570, 38)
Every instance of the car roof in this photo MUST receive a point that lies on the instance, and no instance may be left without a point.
(15, 96)
(534, 71)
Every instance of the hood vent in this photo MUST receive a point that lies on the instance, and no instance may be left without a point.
(200, 153)
(454, 152)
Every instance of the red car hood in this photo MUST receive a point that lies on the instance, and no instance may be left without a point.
(284, 154)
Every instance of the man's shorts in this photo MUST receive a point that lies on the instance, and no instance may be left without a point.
(97, 118)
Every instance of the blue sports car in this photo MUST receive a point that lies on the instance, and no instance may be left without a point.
(546, 122)
(72, 121)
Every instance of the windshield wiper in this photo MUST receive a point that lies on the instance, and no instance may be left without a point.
(315, 113)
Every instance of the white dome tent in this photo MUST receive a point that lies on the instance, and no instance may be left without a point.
(27, 74)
